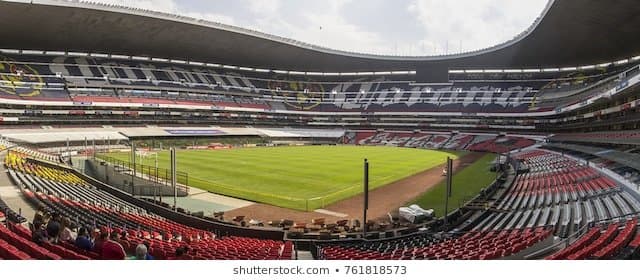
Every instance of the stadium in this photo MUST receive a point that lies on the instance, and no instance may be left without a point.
(196, 140)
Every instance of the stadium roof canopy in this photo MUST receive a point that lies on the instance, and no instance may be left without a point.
(568, 33)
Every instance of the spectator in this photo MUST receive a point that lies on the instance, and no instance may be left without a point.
(141, 252)
(178, 253)
(73, 230)
(148, 245)
(111, 249)
(41, 216)
(181, 253)
(124, 242)
(84, 241)
(66, 234)
(99, 241)
(54, 227)
(39, 233)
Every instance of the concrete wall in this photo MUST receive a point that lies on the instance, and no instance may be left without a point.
(122, 181)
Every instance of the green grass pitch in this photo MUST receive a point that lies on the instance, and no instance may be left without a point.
(466, 183)
(303, 177)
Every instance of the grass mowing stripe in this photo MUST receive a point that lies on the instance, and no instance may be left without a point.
(300, 173)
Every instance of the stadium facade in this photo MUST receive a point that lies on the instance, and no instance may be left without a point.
(570, 82)
(114, 73)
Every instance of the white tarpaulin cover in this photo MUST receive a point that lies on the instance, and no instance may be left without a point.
(415, 213)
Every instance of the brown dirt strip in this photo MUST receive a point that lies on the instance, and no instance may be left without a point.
(384, 199)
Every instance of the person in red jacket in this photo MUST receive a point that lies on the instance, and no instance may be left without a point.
(99, 241)
(111, 249)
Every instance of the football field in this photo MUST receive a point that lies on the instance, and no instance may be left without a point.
(302, 178)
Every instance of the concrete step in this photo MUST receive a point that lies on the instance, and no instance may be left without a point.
(304, 255)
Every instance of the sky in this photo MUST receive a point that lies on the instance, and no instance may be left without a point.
(387, 27)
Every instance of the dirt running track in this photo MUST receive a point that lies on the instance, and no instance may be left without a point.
(381, 200)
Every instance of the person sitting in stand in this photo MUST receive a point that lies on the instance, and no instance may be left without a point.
(41, 216)
(141, 252)
(181, 253)
(67, 234)
(83, 241)
(123, 241)
(54, 227)
(111, 249)
(99, 241)
(148, 245)
(39, 234)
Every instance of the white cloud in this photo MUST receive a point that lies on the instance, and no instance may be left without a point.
(440, 26)
(264, 7)
(470, 25)
(323, 26)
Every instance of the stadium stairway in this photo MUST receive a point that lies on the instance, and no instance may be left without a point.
(304, 255)
(11, 195)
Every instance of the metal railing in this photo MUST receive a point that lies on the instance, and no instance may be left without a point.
(154, 174)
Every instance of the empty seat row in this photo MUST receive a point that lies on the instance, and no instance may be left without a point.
(470, 245)
(600, 243)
